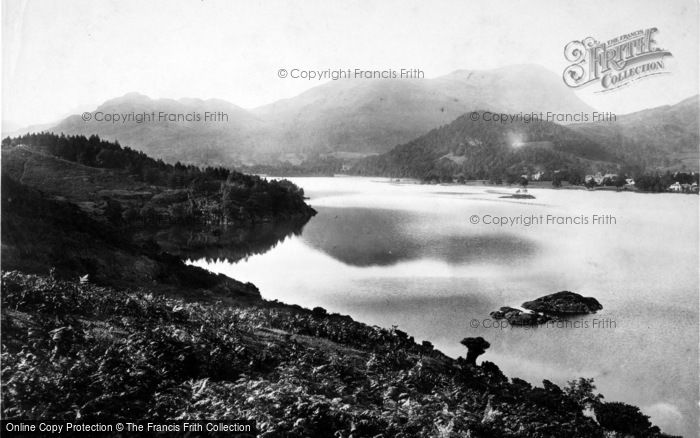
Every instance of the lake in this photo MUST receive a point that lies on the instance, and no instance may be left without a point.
(431, 260)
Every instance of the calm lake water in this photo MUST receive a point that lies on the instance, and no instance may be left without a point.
(409, 255)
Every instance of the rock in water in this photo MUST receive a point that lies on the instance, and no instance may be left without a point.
(518, 196)
(564, 303)
(518, 317)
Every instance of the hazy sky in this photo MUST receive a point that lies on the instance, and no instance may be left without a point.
(61, 57)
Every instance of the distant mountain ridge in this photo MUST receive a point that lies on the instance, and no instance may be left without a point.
(348, 119)
(197, 141)
(657, 139)
(662, 137)
(372, 116)
(355, 116)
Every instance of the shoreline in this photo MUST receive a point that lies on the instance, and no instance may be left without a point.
(477, 183)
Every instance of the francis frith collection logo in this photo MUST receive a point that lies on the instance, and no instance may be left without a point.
(614, 63)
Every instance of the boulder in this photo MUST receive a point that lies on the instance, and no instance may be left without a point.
(563, 303)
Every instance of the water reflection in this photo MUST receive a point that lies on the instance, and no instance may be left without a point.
(382, 237)
(407, 255)
(226, 243)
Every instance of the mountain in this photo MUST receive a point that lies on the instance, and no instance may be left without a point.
(665, 137)
(371, 116)
(348, 117)
(482, 149)
(201, 142)
(656, 139)
(355, 118)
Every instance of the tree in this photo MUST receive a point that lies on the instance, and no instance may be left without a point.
(622, 417)
(582, 392)
(475, 348)
(511, 178)
(319, 312)
(556, 181)
(666, 180)
(575, 178)
(106, 158)
(495, 178)
(620, 181)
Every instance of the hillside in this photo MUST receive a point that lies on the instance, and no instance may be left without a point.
(486, 150)
(41, 235)
(87, 206)
(349, 116)
(201, 142)
(662, 138)
(87, 171)
(72, 349)
(370, 116)
(348, 119)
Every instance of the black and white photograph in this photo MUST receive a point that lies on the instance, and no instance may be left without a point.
(350, 219)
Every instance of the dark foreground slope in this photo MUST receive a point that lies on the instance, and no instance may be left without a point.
(41, 235)
(145, 337)
(75, 350)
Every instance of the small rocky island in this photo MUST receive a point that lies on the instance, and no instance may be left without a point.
(518, 196)
(564, 303)
(549, 307)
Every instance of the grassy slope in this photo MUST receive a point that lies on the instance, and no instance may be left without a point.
(81, 350)
(62, 177)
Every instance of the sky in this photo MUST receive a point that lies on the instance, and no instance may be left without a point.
(64, 57)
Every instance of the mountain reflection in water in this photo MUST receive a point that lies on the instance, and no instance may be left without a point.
(226, 243)
(370, 236)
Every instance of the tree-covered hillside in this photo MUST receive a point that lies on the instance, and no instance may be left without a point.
(488, 150)
(137, 188)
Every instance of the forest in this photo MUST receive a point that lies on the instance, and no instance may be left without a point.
(181, 193)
